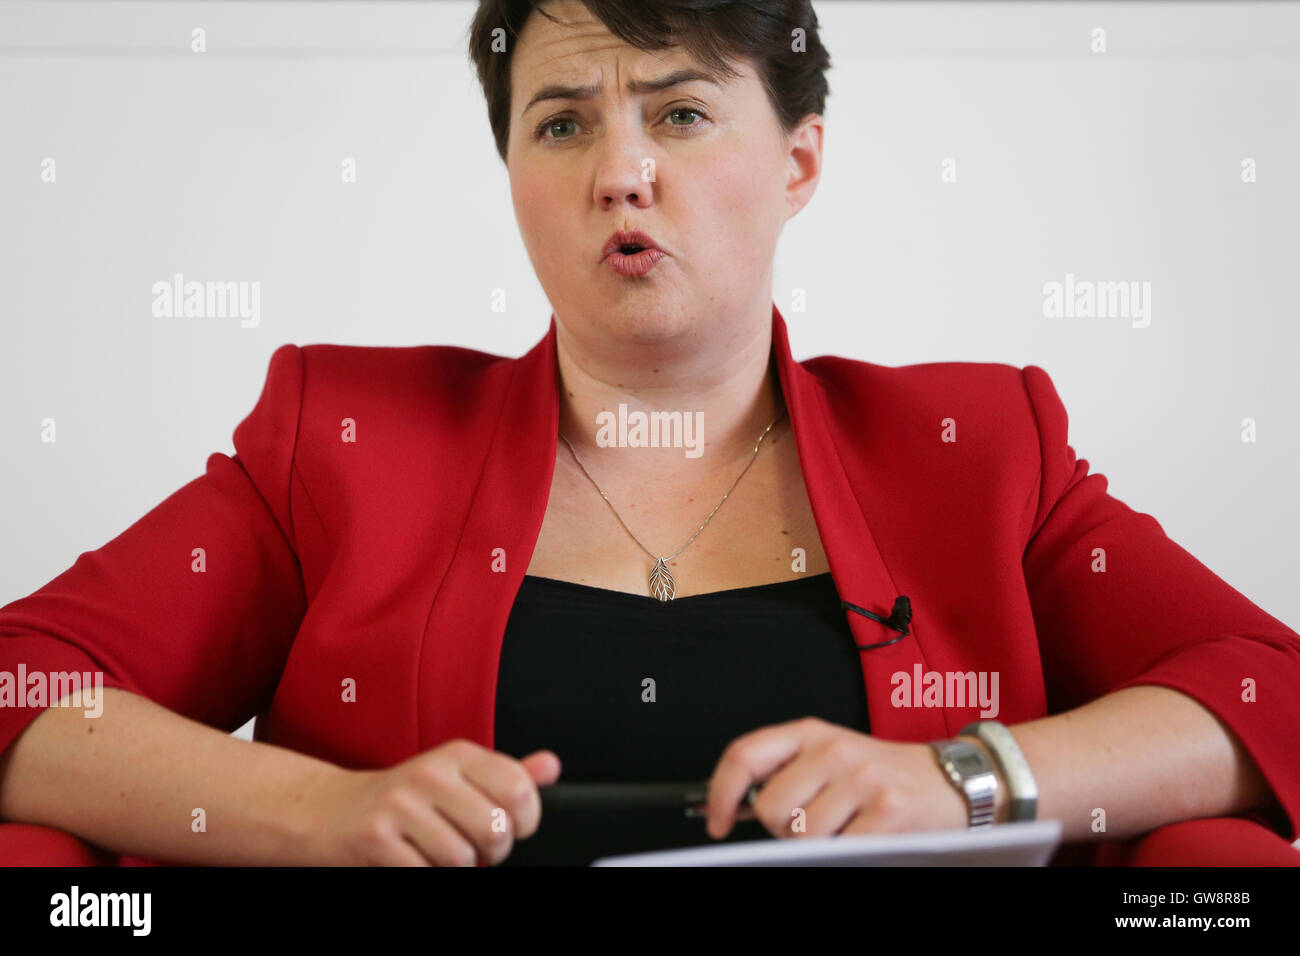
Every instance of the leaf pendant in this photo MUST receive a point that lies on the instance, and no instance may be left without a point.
(662, 585)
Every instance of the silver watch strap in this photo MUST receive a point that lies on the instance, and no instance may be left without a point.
(1022, 789)
(969, 770)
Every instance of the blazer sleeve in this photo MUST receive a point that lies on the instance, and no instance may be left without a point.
(205, 634)
(1154, 615)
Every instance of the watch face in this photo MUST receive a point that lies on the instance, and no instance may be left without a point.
(968, 763)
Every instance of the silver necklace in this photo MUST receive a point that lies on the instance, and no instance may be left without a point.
(662, 585)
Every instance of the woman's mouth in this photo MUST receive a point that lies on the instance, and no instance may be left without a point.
(633, 260)
(631, 253)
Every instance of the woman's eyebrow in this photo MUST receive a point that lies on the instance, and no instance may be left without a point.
(560, 91)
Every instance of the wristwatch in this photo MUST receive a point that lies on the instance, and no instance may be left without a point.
(972, 774)
(1022, 790)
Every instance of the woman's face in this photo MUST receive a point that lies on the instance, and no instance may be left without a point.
(712, 188)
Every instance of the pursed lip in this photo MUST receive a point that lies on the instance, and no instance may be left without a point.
(626, 237)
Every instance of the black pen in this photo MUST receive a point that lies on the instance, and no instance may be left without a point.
(689, 796)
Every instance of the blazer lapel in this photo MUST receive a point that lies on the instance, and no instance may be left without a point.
(462, 643)
(857, 568)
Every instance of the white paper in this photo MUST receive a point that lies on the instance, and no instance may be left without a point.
(1003, 844)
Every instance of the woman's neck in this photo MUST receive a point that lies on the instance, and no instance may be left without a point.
(729, 389)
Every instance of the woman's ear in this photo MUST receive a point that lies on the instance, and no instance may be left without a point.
(804, 163)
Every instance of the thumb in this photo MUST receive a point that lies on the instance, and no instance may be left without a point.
(543, 766)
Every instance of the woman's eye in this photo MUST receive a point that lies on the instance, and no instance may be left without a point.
(549, 126)
(684, 109)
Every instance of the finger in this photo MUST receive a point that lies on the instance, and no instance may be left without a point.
(481, 820)
(438, 843)
(748, 760)
(837, 805)
(506, 783)
(543, 766)
(795, 786)
(392, 850)
(878, 815)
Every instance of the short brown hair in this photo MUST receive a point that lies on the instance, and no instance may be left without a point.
(710, 31)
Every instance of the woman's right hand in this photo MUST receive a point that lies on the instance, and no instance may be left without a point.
(458, 804)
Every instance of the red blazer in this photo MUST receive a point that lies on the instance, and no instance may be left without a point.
(373, 559)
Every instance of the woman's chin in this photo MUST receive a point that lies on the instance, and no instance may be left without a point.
(641, 319)
(659, 322)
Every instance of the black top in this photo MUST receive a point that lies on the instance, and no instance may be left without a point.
(623, 687)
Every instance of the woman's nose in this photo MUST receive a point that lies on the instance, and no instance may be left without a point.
(627, 170)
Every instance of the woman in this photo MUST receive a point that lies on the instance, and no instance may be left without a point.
(443, 579)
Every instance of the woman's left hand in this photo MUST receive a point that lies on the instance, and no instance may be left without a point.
(823, 778)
